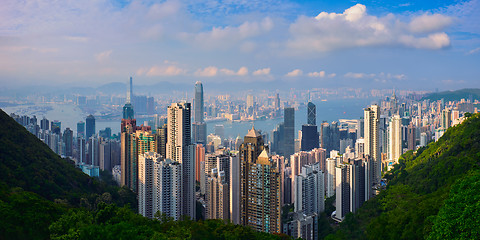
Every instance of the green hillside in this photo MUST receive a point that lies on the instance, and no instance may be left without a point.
(43, 196)
(431, 194)
(454, 95)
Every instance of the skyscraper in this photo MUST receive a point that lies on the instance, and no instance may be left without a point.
(289, 131)
(310, 190)
(90, 124)
(128, 112)
(395, 138)
(260, 185)
(68, 141)
(311, 114)
(180, 149)
(199, 127)
(81, 129)
(198, 103)
(372, 148)
(158, 182)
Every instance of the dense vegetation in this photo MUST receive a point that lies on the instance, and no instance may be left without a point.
(43, 196)
(454, 95)
(432, 193)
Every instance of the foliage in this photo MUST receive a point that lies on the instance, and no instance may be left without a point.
(459, 217)
(419, 201)
(112, 222)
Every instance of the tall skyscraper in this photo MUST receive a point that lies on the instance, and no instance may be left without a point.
(411, 137)
(159, 181)
(310, 139)
(217, 196)
(56, 127)
(68, 141)
(198, 103)
(395, 138)
(180, 149)
(90, 126)
(446, 119)
(199, 157)
(289, 131)
(128, 112)
(311, 114)
(199, 127)
(44, 124)
(310, 190)
(260, 198)
(81, 129)
(276, 103)
(372, 148)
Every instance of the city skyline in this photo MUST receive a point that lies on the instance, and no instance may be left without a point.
(287, 42)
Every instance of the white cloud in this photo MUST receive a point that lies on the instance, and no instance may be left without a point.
(332, 75)
(262, 71)
(207, 72)
(224, 37)
(359, 75)
(103, 56)
(428, 23)
(320, 74)
(295, 73)
(473, 51)
(356, 28)
(241, 72)
(155, 71)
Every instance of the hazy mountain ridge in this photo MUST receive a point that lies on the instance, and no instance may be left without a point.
(457, 95)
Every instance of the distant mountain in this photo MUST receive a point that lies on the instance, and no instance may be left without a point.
(467, 93)
(431, 194)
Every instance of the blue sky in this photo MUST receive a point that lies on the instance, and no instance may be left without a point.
(416, 45)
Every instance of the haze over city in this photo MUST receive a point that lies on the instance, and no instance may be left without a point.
(416, 45)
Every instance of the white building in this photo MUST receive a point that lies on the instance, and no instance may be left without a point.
(180, 149)
(310, 190)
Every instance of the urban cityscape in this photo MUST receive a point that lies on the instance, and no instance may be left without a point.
(274, 153)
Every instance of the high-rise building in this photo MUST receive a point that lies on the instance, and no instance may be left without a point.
(44, 124)
(234, 189)
(56, 127)
(128, 112)
(199, 127)
(159, 186)
(217, 196)
(352, 186)
(199, 157)
(90, 126)
(446, 118)
(330, 177)
(260, 185)
(81, 129)
(310, 190)
(161, 138)
(180, 149)
(198, 102)
(68, 142)
(411, 137)
(135, 141)
(395, 138)
(199, 132)
(311, 114)
(289, 131)
(276, 103)
(310, 139)
(372, 148)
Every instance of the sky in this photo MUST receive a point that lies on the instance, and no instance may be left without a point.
(411, 44)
